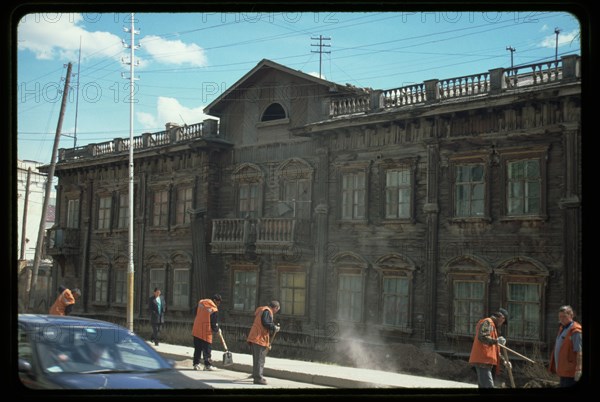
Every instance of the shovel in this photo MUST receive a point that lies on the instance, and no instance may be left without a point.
(227, 357)
(510, 373)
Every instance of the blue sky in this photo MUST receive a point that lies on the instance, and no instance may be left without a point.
(186, 60)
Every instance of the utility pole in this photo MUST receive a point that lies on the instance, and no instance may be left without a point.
(49, 179)
(77, 101)
(321, 45)
(556, 31)
(130, 270)
(24, 223)
(512, 50)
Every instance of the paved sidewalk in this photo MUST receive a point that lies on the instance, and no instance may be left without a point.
(316, 373)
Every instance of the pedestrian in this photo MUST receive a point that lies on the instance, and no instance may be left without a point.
(205, 324)
(157, 307)
(485, 352)
(63, 305)
(567, 357)
(259, 338)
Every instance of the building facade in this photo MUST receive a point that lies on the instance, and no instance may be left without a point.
(384, 216)
(31, 190)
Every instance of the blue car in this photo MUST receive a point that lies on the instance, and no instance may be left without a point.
(68, 352)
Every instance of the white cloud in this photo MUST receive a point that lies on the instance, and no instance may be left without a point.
(169, 110)
(316, 74)
(564, 39)
(58, 36)
(173, 51)
(147, 120)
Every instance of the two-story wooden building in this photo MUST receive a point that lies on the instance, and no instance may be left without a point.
(383, 216)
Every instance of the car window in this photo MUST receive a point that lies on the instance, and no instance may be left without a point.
(135, 354)
(89, 349)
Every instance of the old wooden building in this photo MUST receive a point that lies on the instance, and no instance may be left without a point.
(382, 216)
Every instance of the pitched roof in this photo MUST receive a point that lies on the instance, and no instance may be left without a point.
(216, 106)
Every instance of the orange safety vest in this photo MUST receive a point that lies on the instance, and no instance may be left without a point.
(482, 353)
(567, 357)
(258, 333)
(62, 301)
(202, 327)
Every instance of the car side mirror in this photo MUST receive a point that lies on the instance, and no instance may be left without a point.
(171, 362)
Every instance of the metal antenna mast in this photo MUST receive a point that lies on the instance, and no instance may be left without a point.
(130, 270)
(556, 31)
(321, 45)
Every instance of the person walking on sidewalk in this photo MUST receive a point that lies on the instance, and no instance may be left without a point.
(485, 352)
(65, 301)
(259, 337)
(566, 358)
(157, 307)
(205, 323)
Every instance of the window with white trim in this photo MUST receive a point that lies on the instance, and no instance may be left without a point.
(398, 193)
(396, 301)
(353, 195)
(524, 187)
(292, 288)
(350, 297)
(245, 284)
(104, 207)
(73, 214)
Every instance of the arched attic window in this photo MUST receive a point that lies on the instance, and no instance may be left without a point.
(274, 112)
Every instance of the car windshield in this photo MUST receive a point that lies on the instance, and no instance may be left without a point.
(92, 349)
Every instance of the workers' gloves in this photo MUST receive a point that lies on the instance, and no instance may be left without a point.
(577, 375)
(501, 340)
(277, 328)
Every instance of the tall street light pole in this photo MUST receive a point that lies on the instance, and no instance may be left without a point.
(130, 269)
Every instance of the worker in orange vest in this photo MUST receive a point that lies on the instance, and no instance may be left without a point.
(485, 352)
(566, 358)
(205, 323)
(65, 301)
(259, 338)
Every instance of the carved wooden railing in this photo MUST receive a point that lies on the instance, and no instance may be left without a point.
(62, 241)
(237, 235)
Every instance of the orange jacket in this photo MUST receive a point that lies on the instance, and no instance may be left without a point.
(567, 357)
(258, 333)
(202, 327)
(482, 353)
(62, 301)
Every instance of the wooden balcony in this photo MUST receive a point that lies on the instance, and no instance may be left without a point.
(261, 236)
(62, 241)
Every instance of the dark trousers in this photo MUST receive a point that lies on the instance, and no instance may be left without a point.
(202, 349)
(567, 382)
(155, 332)
(259, 355)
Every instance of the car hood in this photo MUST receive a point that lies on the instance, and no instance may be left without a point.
(157, 380)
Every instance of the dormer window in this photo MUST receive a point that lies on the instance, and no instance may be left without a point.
(274, 112)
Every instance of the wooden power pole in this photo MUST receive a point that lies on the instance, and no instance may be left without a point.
(49, 179)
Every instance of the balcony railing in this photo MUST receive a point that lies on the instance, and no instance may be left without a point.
(474, 85)
(235, 236)
(62, 241)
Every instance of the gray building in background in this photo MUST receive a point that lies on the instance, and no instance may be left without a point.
(381, 217)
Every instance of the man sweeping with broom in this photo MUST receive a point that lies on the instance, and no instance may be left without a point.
(259, 338)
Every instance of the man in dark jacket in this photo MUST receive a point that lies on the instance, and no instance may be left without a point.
(157, 307)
